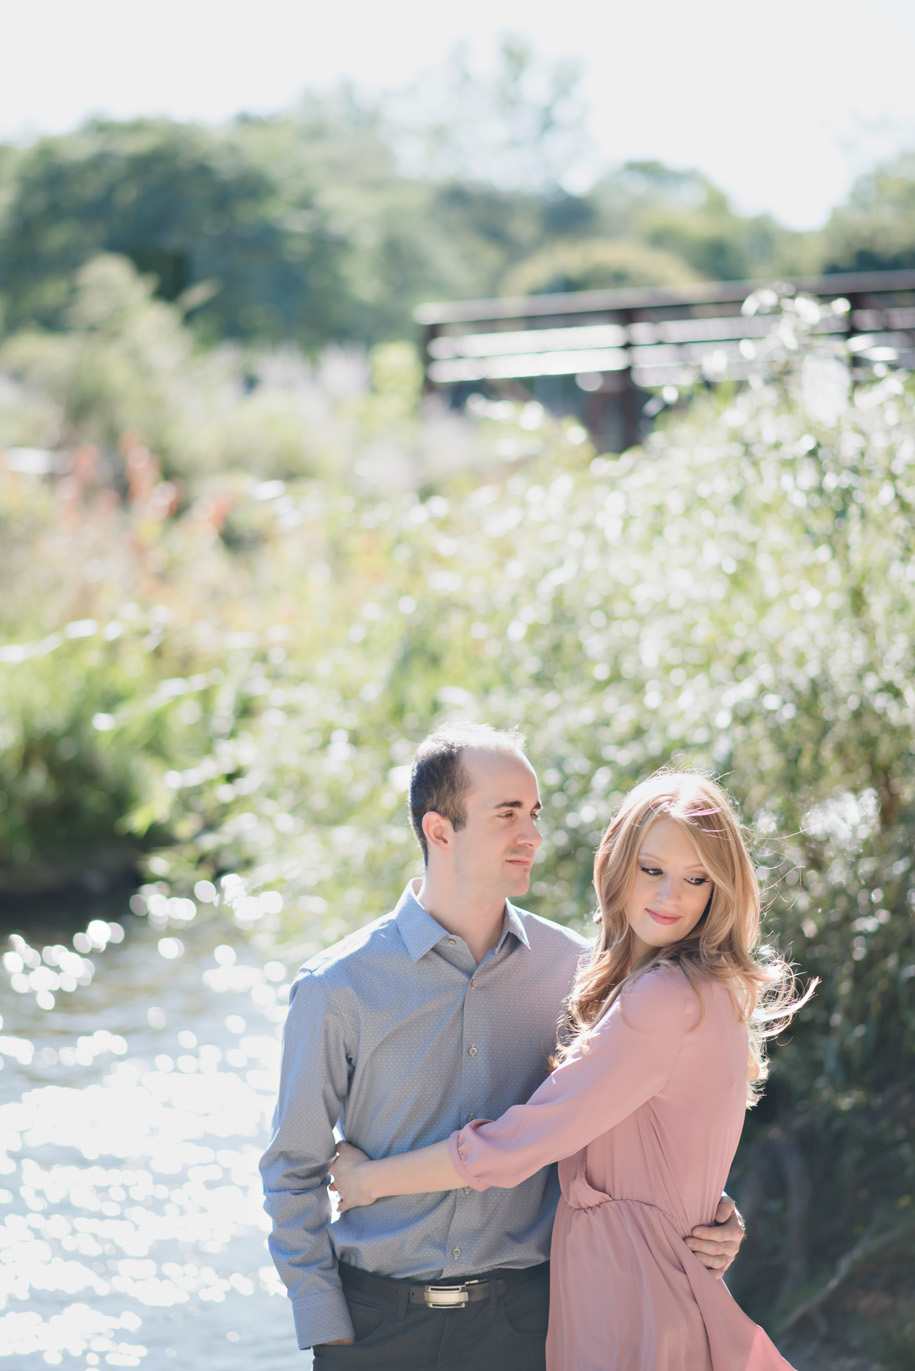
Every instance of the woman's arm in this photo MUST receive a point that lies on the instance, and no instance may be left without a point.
(359, 1181)
(625, 1061)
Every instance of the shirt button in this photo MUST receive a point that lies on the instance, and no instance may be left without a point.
(451, 942)
(471, 1051)
(466, 1189)
(455, 1251)
(473, 982)
(470, 1118)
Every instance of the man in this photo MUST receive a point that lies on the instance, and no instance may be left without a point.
(442, 1011)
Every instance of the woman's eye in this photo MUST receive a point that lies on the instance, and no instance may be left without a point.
(698, 880)
(652, 870)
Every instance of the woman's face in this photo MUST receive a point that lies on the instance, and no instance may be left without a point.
(669, 891)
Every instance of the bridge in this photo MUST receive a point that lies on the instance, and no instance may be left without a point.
(614, 357)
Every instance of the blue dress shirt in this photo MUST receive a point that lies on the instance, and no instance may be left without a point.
(399, 1037)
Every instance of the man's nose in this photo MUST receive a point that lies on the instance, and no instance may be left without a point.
(533, 836)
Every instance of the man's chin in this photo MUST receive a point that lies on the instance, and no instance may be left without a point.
(520, 879)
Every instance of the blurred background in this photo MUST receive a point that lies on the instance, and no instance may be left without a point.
(251, 552)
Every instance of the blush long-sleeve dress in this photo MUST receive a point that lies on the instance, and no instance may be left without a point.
(644, 1120)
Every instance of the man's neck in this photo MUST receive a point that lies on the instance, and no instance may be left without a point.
(476, 918)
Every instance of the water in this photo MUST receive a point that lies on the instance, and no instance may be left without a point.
(138, 1076)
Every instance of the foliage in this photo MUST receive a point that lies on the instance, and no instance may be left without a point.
(520, 123)
(235, 678)
(595, 264)
(875, 231)
(129, 363)
(330, 223)
(297, 228)
(683, 214)
(191, 205)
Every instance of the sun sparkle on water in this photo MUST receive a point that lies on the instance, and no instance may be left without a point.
(132, 1117)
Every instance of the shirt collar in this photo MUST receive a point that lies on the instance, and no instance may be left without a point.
(421, 932)
(515, 924)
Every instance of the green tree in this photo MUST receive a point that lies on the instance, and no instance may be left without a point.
(521, 124)
(875, 230)
(303, 228)
(184, 203)
(683, 213)
(595, 264)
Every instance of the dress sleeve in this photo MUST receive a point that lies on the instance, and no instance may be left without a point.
(627, 1059)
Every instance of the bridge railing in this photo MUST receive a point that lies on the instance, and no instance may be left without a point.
(604, 354)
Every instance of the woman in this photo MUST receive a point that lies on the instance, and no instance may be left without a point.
(644, 1107)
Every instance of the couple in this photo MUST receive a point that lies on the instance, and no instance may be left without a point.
(443, 1015)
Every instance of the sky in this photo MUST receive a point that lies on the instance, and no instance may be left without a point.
(781, 104)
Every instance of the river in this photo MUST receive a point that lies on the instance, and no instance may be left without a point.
(139, 1058)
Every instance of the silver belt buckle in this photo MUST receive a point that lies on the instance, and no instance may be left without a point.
(446, 1296)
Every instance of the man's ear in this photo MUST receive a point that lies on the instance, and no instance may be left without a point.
(438, 830)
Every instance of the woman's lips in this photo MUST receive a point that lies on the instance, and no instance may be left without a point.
(666, 919)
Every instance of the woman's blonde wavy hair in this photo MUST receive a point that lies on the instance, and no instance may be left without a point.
(723, 946)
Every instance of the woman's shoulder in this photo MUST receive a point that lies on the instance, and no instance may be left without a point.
(707, 1000)
(660, 982)
(669, 995)
(659, 999)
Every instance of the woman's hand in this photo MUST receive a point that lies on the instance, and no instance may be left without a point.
(350, 1170)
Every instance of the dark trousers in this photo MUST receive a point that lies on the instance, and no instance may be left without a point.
(504, 1332)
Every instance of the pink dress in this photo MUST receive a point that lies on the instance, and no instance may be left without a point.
(647, 1117)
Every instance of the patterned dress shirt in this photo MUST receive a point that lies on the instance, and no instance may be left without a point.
(397, 1036)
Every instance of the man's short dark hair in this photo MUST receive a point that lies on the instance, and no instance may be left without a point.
(439, 781)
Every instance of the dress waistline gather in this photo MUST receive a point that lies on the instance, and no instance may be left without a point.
(600, 1200)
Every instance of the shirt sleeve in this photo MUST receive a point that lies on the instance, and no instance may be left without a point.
(624, 1061)
(313, 1084)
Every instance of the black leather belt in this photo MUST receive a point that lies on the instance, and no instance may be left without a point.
(453, 1294)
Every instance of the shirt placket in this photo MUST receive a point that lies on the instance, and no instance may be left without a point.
(475, 1070)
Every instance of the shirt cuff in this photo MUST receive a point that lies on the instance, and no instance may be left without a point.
(322, 1318)
(459, 1151)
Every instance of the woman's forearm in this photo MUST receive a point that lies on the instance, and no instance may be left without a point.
(411, 1173)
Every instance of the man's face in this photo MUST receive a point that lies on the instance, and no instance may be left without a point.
(495, 850)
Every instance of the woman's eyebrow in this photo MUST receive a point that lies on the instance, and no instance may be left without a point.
(650, 857)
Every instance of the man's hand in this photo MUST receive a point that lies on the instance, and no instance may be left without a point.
(335, 1342)
(717, 1246)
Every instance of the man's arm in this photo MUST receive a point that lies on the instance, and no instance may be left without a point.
(717, 1246)
(313, 1085)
